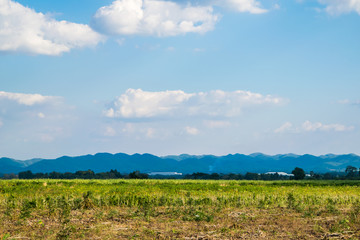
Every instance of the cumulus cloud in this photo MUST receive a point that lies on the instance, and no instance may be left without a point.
(141, 104)
(341, 6)
(136, 103)
(24, 30)
(153, 17)
(26, 99)
(318, 126)
(251, 6)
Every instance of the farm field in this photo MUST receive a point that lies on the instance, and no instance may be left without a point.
(179, 209)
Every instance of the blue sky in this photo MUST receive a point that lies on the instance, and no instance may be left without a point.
(172, 77)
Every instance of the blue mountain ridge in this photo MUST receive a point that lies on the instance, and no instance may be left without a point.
(232, 163)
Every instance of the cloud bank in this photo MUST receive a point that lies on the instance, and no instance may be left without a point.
(136, 103)
(341, 6)
(27, 106)
(26, 31)
(318, 126)
(153, 17)
(34, 118)
(308, 126)
(349, 102)
(26, 99)
(23, 30)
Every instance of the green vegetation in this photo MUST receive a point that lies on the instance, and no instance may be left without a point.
(171, 209)
(89, 174)
(299, 173)
(351, 173)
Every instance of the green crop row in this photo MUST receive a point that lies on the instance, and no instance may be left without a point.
(42, 194)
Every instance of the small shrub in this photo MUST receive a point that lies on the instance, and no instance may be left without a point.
(87, 201)
(331, 206)
(10, 205)
(65, 209)
(26, 208)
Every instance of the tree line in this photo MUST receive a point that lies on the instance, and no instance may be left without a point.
(351, 172)
(89, 174)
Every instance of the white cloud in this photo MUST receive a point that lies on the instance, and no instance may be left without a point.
(26, 99)
(192, 130)
(284, 128)
(341, 6)
(141, 104)
(24, 30)
(349, 102)
(308, 126)
(136, 103)
(153, 17)
(1, 123)
(318, 126)
(251, 6)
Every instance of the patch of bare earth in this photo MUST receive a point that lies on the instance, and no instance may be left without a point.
(164, 223)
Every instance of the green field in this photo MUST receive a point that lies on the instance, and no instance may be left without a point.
(179, 209)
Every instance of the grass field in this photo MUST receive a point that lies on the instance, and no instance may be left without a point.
(179, 209)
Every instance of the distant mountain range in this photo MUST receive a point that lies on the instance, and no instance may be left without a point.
(232, 163)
